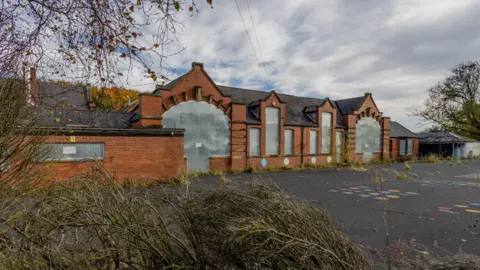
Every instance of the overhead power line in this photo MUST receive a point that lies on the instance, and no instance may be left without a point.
(255, 33)
(250, 40)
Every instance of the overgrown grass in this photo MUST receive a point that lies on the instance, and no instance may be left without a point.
(431, 158)
(97, 224)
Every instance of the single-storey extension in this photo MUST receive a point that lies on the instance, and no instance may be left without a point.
(448, 144)
(403, 142)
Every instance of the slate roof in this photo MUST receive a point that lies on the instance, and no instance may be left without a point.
(60, 117)
(442, 137)
(62, 96)
(349, 105)
(67, 105)
(295, 105)
(399, 131)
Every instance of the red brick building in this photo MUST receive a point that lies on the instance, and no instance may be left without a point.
(404, 144)
(265, 128)
(192, 123)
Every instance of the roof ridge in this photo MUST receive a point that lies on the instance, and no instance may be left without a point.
(269, 91)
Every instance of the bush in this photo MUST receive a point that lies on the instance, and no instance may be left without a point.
(85, 225)
(431, 158)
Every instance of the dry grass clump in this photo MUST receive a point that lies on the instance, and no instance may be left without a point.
(88, 225)
(431, 158)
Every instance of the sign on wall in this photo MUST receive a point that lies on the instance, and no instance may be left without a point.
(69, 150)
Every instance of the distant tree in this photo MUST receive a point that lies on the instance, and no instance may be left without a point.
(434, 128)
(113, 99)
(454, 103)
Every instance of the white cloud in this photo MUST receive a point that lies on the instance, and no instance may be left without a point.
(395, 49)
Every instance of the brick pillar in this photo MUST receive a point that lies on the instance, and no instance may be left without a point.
(151, 109)
(351, 121)
(386, 138)
(239, 136)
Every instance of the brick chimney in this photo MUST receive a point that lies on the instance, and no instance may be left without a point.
(33, 95)
(150, 110)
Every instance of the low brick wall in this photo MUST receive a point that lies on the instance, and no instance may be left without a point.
(140, 158)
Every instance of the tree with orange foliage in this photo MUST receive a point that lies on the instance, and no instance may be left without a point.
(113, 98)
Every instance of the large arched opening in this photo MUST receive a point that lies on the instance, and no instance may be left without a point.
(368, 138)
(207, 132)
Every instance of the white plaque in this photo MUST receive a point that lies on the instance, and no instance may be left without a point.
(69, 150)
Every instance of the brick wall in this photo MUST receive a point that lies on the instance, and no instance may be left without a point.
(394, 144)
(134, 157)
(220, 163)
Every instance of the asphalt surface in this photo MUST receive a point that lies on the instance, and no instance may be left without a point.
(439, 209)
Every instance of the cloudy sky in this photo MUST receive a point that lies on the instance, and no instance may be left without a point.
(395, 49)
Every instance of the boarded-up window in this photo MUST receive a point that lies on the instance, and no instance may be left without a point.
(273, 131)
(326, 133)
(73, 151)
(313, 142)
(254, 136)
(368, 137)
(409, 147)
(402, 147)
(288, 142)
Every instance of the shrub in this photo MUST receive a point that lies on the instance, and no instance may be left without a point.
(85, 225)
(431, 158)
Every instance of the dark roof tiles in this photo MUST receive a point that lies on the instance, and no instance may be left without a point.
(62, 96)
(442, 137)
(85, 118)
(399, 131)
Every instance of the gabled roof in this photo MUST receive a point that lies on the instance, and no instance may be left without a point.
(399, 131)
(295, 105)
(171, 84)
(349, 105)
(442, 137)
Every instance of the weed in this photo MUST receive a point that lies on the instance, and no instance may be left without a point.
(224, 179)
(459, 162)
(358, 168)
(407, 166)
(437, 173)
(217, 172)
(451, 163)
(400, 175)
(183, 179)
(415, 175)
(431, 158)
